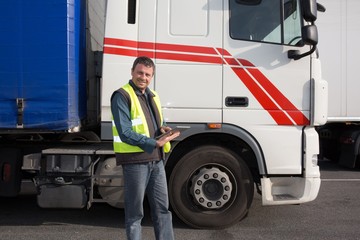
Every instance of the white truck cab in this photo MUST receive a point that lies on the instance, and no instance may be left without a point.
(244, 77)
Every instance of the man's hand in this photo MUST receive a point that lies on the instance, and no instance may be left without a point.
(167, 138)
(165, 129)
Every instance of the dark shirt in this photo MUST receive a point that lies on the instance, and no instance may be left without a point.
(120, 108)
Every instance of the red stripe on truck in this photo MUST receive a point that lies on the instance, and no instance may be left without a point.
(266, 93)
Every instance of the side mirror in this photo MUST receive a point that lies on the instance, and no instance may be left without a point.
(309, 8)
(321, 8)
(309, 35)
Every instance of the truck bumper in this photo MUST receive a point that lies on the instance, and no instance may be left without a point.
(282, 190)
(289, 190)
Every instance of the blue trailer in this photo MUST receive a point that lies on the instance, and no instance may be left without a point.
(42, 65)
(49, 74)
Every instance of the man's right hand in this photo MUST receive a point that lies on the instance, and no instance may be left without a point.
(167, 138)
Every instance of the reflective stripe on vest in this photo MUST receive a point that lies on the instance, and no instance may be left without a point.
(139, 124)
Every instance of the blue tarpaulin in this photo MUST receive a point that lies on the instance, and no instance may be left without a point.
(42, 63)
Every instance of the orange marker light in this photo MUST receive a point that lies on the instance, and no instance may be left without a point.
(214, 125)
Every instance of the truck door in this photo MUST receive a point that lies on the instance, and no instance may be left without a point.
(265, 92)
(189, 68)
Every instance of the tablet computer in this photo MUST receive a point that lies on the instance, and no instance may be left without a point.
(174, 130)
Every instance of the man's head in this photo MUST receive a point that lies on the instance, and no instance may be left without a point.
(142, 72)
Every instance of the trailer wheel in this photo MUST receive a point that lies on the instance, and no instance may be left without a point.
(211, 187)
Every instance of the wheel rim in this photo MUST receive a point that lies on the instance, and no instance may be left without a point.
(211, 187)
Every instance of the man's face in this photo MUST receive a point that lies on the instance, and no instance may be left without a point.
(142, 76)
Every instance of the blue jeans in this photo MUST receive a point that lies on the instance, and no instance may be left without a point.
(150, 179)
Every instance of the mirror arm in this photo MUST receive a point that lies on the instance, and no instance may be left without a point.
(295, 54)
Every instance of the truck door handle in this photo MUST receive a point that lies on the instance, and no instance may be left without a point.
(236, 101)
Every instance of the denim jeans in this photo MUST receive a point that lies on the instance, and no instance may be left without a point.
(150, 179)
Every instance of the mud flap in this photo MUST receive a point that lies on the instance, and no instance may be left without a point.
(10, 172)
(349, 149)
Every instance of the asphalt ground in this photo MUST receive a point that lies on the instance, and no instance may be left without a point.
(335, 214)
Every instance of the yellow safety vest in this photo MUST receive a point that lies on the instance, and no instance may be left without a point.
(139, 124)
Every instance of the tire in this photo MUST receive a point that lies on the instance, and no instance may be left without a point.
(211, 187)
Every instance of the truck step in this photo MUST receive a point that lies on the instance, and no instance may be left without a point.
(283, 197)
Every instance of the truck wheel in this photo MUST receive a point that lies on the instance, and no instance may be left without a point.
(110, 182)
(211, 187)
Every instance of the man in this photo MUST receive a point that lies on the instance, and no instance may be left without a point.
(137, 120)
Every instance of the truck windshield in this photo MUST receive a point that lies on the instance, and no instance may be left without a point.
(277, 21)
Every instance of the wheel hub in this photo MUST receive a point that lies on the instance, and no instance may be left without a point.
(211, 188)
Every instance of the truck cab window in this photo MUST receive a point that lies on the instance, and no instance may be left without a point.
(266, 21)
(292, 22)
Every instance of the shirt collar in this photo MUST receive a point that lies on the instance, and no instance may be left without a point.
(138, 92)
